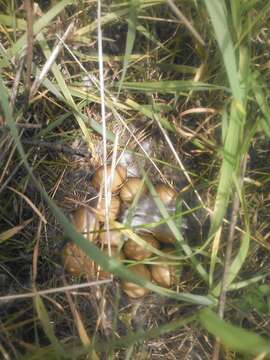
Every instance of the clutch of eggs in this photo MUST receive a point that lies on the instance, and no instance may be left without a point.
(124, 191)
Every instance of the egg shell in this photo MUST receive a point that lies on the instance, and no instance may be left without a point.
(135, 291)
(163, 273)
(134, 251)
(131, 187)
(115, 179)
(114, 209)
(115, 237)
(76, 262)
(165, 193)
(164, 234)
(86, 222)
(102, 274)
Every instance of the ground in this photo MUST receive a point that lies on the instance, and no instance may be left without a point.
(174, 108)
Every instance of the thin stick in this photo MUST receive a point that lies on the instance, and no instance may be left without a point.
(36, 255)
(53, 291)
(29, 202)
(49, 62)
(20, 125)
(180, 163)
(185, 21)
(116, 114)
(30, 37)
(113, 166)
(85, 339)
(107, 197)
(228, 255)
(16, 84)
(56, 146)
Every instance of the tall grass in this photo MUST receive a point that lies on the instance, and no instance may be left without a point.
(213, 62)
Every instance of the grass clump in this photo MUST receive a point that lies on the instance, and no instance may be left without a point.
(182, 87)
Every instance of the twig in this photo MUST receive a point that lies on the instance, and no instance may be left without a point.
(16, 83)
(180, 162)
(185, 21)
(30, 203)
(36, 255)
(85, 338)
(11, 175)
(107, 190)
(49, 62)
(228, 255)
(56, 146)
(53, 291)
(21, 125)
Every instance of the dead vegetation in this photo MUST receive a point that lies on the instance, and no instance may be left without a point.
(169, 105)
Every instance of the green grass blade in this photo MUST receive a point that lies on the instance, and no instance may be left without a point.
(218, 14)
(47, 327)
(7, 20)
(141, 335)
(233, 337)
(8, 234)
(117, 12)
(241, 256)
(4, 58)
(238, 81)
(40, 24)
(141, 29)
(171, 86)
(131, 35)
(236, 264)
(261, 99)
(214, 255)
(148, 111)
(229, 165)
(245, 283)
(181, 69)
(255, 20)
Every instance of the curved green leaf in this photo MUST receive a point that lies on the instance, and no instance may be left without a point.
(232, 336)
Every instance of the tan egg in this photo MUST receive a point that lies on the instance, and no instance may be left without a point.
(133, 290)
(86, 222)
(118, 255)
(165, 193)
(115, 237)
(163, 273)
(164, 234)
(75, 261)
(115, 179)
(114, 209)
(131, 187)
(134, 251)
